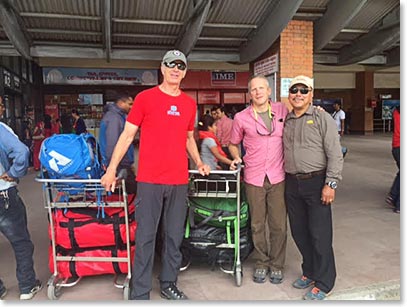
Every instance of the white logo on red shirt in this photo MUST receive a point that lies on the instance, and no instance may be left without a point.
(173, 111)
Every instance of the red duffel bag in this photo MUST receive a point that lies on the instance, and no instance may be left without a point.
(84, 232)
(79, 228)
(67, 269)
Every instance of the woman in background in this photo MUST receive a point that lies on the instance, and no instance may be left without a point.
(42, 130)
(210, 147)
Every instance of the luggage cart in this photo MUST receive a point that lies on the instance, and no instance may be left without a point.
(61, 194)
(220, 185)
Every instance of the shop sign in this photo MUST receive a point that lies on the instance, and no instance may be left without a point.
(107, 76)
(7, 81)
(16, 83)
(233, 98)
(52, 109)
(266, 66)
(222, 78)
(208, 97)
(191, 94)
(385, 96)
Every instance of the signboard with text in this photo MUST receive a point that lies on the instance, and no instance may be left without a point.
(104, 76)
(223, 78)
(266, 66)
(208, 97)
(234, 98)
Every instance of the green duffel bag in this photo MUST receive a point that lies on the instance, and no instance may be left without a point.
(218, 212)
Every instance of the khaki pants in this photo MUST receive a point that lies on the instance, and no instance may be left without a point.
(268, 215)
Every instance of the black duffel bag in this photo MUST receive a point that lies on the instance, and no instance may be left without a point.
(201, 247)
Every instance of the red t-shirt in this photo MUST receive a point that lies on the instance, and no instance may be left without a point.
(164, 121)
(396, 132)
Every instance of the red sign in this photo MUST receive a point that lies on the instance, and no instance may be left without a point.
(191, 94)
(208, 97)
(52, 110)
(247, 97)
(229, 98)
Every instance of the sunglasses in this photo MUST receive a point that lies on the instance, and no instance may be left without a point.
(180, 66)
(303, 90)
(265, 133)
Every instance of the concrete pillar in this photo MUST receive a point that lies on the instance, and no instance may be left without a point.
(362, 112)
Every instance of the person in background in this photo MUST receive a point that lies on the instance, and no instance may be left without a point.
(111, 126)
(27, 138)
(56, 126)
(313, 163)
(48, 125)
(224, 129)
(260, 127)
(166, 117)
(214, 114)
(40, 133)
(393, 198)
(79, 125)
(66, 123)
(210, 148)
(2, 108)
(339, 117)
(13, 216)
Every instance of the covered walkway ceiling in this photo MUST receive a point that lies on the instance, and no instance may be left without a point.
(237, 31)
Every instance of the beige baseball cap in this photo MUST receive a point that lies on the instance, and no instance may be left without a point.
(302, 80)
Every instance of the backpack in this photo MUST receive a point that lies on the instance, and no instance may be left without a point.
(71, 156)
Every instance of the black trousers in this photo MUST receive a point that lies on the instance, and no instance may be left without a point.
(154, 202)
(311, 228)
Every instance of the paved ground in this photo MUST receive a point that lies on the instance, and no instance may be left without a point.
(366, 243)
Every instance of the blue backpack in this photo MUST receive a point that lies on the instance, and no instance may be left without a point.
(71, 156)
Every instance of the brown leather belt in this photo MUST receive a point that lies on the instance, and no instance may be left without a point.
(301, 176)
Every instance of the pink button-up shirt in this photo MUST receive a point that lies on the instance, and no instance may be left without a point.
(224, 126)
(264, 153)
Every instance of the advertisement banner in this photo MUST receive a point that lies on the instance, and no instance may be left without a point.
(103, 76)
(388, 107)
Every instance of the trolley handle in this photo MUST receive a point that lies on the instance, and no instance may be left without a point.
(48, 180)
(122, 174)
(220, 172)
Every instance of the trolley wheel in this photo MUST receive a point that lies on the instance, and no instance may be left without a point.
(238, 277)
(53, 292)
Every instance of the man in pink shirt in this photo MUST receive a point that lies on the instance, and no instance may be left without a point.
(260, 127)
(224, 129)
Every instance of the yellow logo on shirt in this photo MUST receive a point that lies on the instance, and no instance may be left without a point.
(310, 121)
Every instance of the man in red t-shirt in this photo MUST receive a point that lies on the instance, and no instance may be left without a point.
(393, 198)
(166, 117)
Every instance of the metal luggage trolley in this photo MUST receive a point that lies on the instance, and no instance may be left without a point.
(83, 193)
(222, 185)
